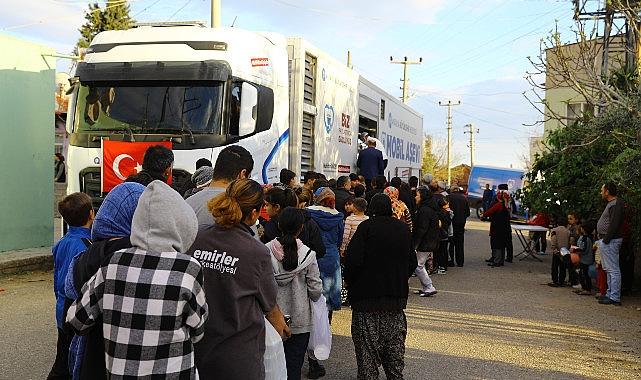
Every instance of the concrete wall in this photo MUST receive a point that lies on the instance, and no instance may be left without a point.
(26, 144)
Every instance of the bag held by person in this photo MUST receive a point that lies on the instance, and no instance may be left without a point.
(320, 339)
(274, 358)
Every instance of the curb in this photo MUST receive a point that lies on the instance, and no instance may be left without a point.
(25, 261)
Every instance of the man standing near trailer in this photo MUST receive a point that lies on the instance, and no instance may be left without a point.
(370, 162)
(365, 138)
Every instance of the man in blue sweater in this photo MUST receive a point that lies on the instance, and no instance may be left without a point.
(77, 211)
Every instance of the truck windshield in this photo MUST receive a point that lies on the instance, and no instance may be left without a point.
(149, 108)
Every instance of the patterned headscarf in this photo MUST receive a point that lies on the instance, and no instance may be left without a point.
(322, 194)
(399, 209)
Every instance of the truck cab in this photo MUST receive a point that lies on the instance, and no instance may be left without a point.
(199, 88)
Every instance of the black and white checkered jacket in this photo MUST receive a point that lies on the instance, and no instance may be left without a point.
(153, 310)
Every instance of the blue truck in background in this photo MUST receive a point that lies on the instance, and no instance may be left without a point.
(480, 176)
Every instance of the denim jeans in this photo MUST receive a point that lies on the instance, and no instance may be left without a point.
(610, 263)
(332, 284)
(421, 273)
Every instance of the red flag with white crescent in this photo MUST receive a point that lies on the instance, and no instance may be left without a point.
(121, 159)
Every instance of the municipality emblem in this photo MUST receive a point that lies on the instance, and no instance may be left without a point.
(329, 118)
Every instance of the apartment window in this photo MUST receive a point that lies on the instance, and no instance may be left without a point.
(382, 109)
(575, 111)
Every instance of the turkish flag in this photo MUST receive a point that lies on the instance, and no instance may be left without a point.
(121, 159)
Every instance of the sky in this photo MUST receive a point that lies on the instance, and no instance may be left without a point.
(475, 52)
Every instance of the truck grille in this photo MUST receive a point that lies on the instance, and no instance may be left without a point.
(90, 183)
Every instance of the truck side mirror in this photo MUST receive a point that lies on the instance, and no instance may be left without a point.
(71, 109)
(248, 109)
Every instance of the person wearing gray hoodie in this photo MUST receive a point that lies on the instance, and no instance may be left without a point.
(150, 297)
(298, 279)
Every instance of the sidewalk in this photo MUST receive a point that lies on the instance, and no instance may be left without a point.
(24, 260)
(30, 259)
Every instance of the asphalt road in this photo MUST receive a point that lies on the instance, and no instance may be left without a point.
(485, 323)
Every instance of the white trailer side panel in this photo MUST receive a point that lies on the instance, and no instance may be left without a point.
(399, 128)
(332, 110)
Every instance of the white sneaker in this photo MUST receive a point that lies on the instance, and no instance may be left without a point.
(577, 286)
(441, 271)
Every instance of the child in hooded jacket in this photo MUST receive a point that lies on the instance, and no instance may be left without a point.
(77, 212)
(298, 279)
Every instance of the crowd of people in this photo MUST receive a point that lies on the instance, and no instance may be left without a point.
(584, 249)
(174, 283)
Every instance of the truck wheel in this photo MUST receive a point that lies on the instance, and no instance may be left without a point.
(479, 212)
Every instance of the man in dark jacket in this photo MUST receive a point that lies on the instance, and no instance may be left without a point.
(488, 196)
(370, 162)
(461, 208)
(379, 261)
(342, 192)
(378, 185)
(157, 164)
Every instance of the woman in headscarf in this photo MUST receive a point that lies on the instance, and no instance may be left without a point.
(379, 262)
(399, 209)
(500, 229)
(331, 225)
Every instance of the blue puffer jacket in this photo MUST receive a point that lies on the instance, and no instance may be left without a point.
(331, 226)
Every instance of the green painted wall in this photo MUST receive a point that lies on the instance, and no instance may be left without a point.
(26, 144)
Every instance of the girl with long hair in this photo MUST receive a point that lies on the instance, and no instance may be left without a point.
(425, 238)
(298, 279)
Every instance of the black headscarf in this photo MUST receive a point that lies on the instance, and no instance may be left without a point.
(381, 205)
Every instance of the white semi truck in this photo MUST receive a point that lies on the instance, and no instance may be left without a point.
(287, 102)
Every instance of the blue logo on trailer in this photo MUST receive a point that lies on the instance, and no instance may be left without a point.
(329, 117)
(324, 74)
(389, 120)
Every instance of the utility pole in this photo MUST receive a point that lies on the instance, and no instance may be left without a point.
(215, 13)
(449, 105)
(472, 131)
(405, 80)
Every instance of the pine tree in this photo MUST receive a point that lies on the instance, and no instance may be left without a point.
(115, 16)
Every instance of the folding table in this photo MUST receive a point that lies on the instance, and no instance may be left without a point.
(528, 251)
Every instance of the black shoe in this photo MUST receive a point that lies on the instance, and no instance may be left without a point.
(490, 260)
(608, 301)
(459, 265)
(494, 265)
(450, 264)
(316, 370)
(508, 261)
(554, 284)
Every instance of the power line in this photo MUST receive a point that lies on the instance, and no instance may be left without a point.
(428, 29)
(179, 9)
(145, 8)
(448, 26)
(464, 57)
